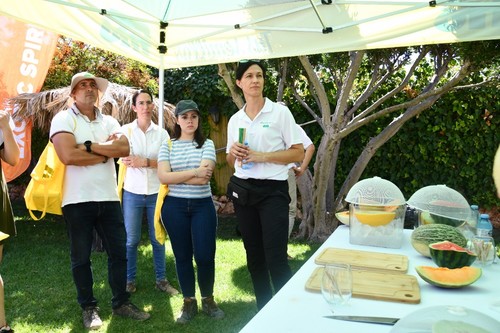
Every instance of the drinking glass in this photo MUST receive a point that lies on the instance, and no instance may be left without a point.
(336, 284)
(484, 248)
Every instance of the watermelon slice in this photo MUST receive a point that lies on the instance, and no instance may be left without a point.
(450, 255)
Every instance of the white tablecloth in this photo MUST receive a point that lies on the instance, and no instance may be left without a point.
(293, 309)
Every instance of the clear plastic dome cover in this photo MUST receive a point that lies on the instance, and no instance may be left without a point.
(442, 201)
(375, 191)
(446, 318)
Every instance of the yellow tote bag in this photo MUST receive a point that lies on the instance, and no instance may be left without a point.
(122, 170)
(160, 232)
(44, 191)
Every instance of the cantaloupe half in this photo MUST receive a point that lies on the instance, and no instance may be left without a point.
(374, 218)
(343, 217)
(449, 278)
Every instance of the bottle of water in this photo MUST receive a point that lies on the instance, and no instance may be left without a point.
(248, 165)
(468, 229)
(474, 215)
(484, 227)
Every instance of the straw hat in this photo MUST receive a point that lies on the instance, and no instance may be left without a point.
(102, 84)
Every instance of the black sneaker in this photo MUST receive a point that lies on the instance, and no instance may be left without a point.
(129, 310)
(91, 319)
(189, 310)
(210, 308)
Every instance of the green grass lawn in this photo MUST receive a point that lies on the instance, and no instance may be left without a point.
(40, 295)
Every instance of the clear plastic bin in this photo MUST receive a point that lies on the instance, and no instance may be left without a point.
(376, 226)
(376, 213)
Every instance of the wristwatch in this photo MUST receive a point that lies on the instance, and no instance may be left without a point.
(88, 144)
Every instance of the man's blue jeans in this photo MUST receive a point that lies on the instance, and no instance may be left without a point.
(133, 209)
(106, 217)
(191, 225)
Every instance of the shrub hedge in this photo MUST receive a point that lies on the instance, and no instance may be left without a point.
(453, 143)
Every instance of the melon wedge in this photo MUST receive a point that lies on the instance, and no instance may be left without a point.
(375, 218)
(449, 278)
(343, 217)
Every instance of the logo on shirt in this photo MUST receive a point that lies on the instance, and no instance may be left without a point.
(265, 124)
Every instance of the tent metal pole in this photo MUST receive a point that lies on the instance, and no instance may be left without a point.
(161, 96)
(325, 28)
(162, 48)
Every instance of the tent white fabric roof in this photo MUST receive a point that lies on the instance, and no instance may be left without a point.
(201, 32)
(182, 33)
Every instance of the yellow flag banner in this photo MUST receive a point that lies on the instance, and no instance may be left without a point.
(26, 52)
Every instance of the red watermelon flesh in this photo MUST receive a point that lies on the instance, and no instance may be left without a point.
(450, 255)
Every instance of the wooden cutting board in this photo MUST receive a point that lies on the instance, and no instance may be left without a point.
(366, 260)
(374, 285)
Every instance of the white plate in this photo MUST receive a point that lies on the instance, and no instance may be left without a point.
(421, 321)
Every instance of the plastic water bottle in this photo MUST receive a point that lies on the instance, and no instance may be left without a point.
(484, 227)
(468, 229)
(248, 165)
(474, 215)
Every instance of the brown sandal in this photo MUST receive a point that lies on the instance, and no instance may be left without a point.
(6, 329)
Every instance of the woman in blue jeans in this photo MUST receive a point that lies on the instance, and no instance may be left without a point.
(141, 186)
(186, 164)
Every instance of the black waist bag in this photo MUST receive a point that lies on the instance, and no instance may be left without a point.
(237, 192)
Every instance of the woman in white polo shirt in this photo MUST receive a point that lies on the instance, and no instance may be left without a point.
(141, 188)
(260, 192)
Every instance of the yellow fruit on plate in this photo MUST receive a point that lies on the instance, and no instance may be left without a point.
(375, 218)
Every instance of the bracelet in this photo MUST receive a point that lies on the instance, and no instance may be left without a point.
(105, 159)
(195, 173)
(147, 163)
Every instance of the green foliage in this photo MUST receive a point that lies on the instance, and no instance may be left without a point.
(73, 56)
(202, 85)
(453, 143)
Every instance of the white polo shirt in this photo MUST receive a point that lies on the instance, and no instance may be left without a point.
(306, 141)
(94, 182)
(145, 145)
(273, 129)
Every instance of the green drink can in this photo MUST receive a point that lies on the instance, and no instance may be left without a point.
(241, 135)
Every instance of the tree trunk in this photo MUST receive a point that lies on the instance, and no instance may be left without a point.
(357, 103)
(305, 185)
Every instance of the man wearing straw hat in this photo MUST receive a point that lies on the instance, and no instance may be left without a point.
(86, 141)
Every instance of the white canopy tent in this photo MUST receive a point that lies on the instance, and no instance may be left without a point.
(181, 33)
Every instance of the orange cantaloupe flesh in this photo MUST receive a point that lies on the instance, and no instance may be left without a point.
(449, 278)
